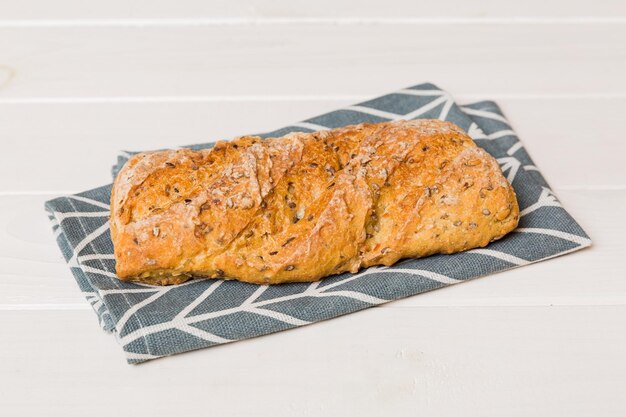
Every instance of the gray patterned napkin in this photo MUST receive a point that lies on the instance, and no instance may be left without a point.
(151, 322)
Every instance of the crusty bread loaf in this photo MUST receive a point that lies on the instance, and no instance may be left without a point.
(307, 205)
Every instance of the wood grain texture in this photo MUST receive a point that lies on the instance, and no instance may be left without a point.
(487, 361)
(295, 9)
(243, 60)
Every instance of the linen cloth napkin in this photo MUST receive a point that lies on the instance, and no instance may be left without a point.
(150, 322)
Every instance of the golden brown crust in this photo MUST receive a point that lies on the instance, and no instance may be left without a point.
(307, 205)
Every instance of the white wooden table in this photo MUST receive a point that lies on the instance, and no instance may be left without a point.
(91, 78)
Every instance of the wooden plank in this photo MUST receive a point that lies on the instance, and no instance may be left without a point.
(263, 9)
(314, 59)
(34, 276)
(487, 361)
(80, 142)
(71, 147)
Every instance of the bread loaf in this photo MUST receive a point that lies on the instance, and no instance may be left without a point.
(307, 205)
